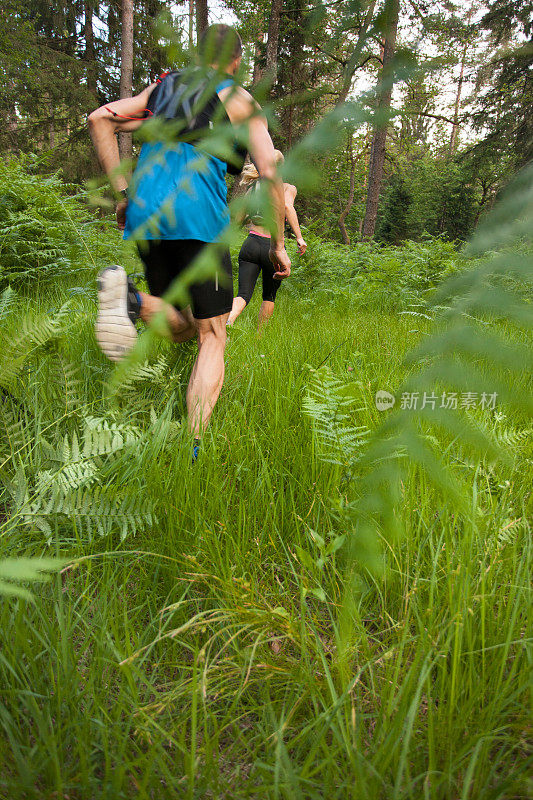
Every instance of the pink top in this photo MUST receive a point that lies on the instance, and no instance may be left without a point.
(264, 235)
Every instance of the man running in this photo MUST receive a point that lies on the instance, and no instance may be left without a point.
(174, 209)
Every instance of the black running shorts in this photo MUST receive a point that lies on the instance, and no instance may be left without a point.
(165, 260)
(254, 259)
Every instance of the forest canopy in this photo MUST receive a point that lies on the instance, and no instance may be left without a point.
(447, 87)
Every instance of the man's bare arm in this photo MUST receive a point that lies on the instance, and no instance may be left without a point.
(241, 107)
(106, 121)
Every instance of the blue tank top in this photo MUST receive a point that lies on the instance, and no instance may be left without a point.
(177, 192)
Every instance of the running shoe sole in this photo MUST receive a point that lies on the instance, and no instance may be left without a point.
(115, 332)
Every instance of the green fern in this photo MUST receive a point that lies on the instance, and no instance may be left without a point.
(329, 403)
(153, 372)
(464, 354)
(7, 299)
(35, 333)
(510, 530)
(76, 488)
(61, 468)
(46, 233)
(105, 437)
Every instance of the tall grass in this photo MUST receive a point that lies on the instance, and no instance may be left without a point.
(202, 655)
(249, 627)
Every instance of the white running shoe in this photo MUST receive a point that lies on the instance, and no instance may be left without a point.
(115, 332)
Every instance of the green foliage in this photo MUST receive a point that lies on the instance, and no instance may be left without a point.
(393, 224)
(46, 234)
(272, 635)
(321, 203)
(76, 482)
(369, 276)
(328, 402)
(65, 470)
(466, 355)
(208, 654)
(429, 196)
(58, 62)
(505, 90)
(22, 570)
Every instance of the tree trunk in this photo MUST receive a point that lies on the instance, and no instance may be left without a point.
(290, 110)
(126, 71)
(377, 152)
(51, 132)
(90, 52)
(191, 25)
(271, 61)
(347, 207)
(202, 19)
(453, 137)
(258, 73)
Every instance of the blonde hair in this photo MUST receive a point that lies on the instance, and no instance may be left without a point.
(250, 173)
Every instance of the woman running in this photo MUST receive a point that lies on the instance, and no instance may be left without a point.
(254, 255)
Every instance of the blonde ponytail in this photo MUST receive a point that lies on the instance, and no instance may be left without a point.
(250, 173)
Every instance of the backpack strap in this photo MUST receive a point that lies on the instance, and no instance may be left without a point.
(173, 99)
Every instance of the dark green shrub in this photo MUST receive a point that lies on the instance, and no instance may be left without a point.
(46, 233)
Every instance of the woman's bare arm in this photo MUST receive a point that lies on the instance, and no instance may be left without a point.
(290, 192)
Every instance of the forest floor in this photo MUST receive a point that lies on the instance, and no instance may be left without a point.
(198, 645)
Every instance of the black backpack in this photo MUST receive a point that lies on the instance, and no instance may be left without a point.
(188, 96)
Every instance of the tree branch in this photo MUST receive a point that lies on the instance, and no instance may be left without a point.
(353, 61)
(330, 55)
(427, 114)
(370, 57)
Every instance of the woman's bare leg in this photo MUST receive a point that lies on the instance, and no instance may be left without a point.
(265, 312)
(239, 304)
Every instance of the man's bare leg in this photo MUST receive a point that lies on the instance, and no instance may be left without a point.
(181, 323)
(265, 312)
(239, 304)
(207, 375)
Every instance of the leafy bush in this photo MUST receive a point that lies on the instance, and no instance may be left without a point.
(45, 233)
(370, 276)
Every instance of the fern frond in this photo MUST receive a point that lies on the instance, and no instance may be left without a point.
(465, 353)
(13, 430)
(7, 299)
(36, 332)
(154, 372)
(329, 403)
(101, 437)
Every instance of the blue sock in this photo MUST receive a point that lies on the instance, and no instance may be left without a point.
(195, 450)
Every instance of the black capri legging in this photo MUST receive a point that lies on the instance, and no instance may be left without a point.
(253, 259)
